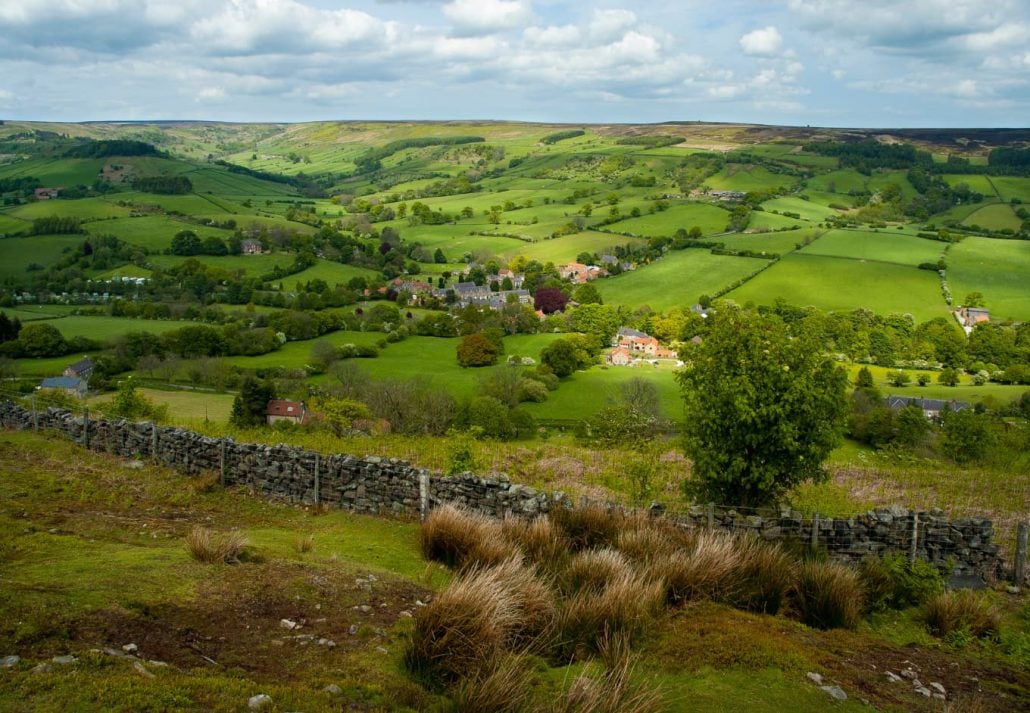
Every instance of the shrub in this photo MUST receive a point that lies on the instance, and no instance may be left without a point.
(828, 596)
(212, 547)
(587, 527)
(461, 630)
(460, 539)
(894, 582)
(949, 613)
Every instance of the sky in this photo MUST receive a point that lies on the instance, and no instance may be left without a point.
(840, 63)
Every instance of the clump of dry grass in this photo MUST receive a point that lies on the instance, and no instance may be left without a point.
(587, 527)
(305, 543)
(764, 577)
(615, 692)
(462, 629)
(213, 547)
(501, 686)
(963, 610)
(828, 595)
(702, 572)
(461, 539)
(644, 539)
(538, 539)
(533, 598)
(624, 607)
(593, 570)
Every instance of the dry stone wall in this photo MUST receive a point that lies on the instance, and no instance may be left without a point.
(387, 486)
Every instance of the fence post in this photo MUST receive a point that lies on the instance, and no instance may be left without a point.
(423, 494)
(711, 515)
(221, 462)
(35, 414)
(1021, 538)
(153, 440)
(915, 538)
(85, 426)
(814, 541)
(317, 483)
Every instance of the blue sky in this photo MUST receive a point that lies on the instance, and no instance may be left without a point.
(862, 63)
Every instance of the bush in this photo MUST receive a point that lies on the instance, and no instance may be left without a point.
(892, 582)
(828, 596)
(965, 611)
(461, 539)
(212, 547)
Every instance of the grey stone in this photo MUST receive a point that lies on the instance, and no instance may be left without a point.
(405, 614)
(64, 660)
(922, 691)
(288, 624)
(814, 678)
(130, 648)
(938, 688)
(9, 661)
(42, 668)
(142, 670)
(893, 677)
(259, 702)
(836, 692)
(333, 690)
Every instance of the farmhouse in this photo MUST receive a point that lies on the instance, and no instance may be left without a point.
(251, 247)
(969, 317)
(292, 411)
(931, 408)
(71, 385)
(619, 356)
(636, 344)
(82, 369)
(45, 194)
(728, 195)
(579, 273)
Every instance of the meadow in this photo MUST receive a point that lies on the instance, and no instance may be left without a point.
(678, 279)
(709, 218)
(867, 246)
(999, 269)
(831, 283)
(17, 254)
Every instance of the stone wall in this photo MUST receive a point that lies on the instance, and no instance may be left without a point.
(382, 485)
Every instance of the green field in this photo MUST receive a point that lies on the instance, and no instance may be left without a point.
(1000, 269)
(105, 328)
(83, 208)
(252, 265)
(153, 232)
(56, 172)
(808, 210)
(711, 219)
(840, 284)
(184, 407)
(886, 246)
(745, 177)
(566, 248)
(1010, 187)
(677, 280)
(16, 254)
(994, 217)
(333, 273)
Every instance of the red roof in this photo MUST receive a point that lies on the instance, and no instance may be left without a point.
(290, 409)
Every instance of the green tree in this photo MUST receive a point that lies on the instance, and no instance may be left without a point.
(966, 436)
(477, 350)
(900, 378)
(762, 410)
(564, 356)
(948, 377)
(249, 406)
(864, 378)
(129, 403)
(438, 257)
(40, 340)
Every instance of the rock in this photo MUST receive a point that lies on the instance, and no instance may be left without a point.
(9, 661)
(922, 691)
(814, 678)
(142, 670)
(893, 677)
(259, 702)
(64, 660)
(836, 692)
(365, 608)
(130, 648)
(405, 614)
(909, 674)
(353, 629)
(43, 668)
(333, 690)
(1012, 589)
(135, 465)
(419, 603)
(966, 581)
(288, 624)
(382, 650)
(938, 688)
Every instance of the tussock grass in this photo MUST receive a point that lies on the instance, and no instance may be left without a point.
(212, 547)
(538, 539)
(534, 599)
(502, 686)
(593, 570)
(588, 527)
(644, 539)
(963, 610)
(615, 692)
(461, 539)
(625, 607)
(306, 543)
(460, 631)
(764, 577)
(702, 572)
(828, 596)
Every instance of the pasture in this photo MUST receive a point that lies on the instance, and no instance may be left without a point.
(9, 225)
(56, 172)
(17, 254)
(85, 209)
(252, 265)
(1012, 187)
(153, 232)
(566, 248)
(677, 280)
(808, 210)
(104, 329)
(1000, 216)
(1000, 269)
(747, 177)
(332, 273)
(684, 216)
(886, 246)
(839, 284)
(184, 407)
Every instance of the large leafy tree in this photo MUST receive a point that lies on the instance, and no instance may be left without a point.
(763, 409)
(248, 408)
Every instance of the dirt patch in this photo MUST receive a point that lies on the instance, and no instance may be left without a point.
(270, 620)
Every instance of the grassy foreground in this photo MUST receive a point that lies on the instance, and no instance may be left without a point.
(94, 559)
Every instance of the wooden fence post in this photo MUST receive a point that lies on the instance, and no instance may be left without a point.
(914, 548)
(35, 414)
(423, 494)
(85, 426)
(814, 541)
(1021, 538)
(317, 483)
(221, 462)
(153, 440)
(711, 515)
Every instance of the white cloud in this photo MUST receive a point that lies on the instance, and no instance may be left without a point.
(487, 16)
(765, 42)
(607, 25)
